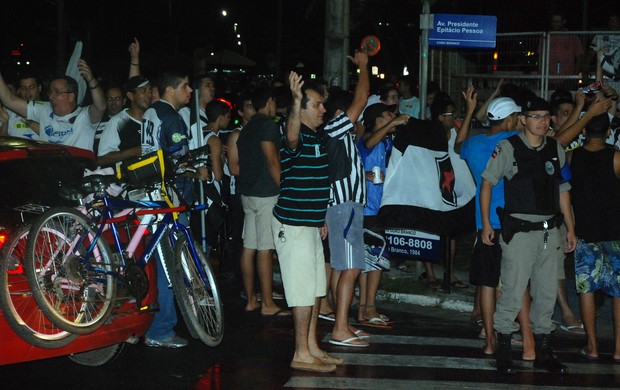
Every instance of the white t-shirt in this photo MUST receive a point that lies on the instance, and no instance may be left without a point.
(110, 137)
(17, 127)
(74, 129)
(410, 106)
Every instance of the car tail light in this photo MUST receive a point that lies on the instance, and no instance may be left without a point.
(3, 237)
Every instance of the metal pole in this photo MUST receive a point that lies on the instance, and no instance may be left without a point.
(426, 23)
(201, 142)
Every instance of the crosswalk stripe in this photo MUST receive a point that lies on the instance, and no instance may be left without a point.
(399, 384)
(447, 362)
(369, 358)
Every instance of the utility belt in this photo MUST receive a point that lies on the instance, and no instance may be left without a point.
(512, 225)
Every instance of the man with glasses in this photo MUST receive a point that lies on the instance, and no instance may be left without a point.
(61, 120)
(537, 202)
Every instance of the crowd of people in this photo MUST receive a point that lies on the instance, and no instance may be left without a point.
(302, 174)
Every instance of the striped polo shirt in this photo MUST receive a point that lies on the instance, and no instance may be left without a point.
(304, 183)
(353, 187)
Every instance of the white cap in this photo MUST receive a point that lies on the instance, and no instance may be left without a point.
(501, 108)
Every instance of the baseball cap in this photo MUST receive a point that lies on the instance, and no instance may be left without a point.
(501, 108)
(372, 112)
(537, 104)
(137, 82)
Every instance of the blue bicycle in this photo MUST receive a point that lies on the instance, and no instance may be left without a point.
(77, 279)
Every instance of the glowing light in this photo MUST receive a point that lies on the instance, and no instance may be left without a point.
(375, 70)
(224, 13)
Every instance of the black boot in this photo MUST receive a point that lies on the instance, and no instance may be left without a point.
(503, 353)
(545, 358)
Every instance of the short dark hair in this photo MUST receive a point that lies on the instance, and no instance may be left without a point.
(240, 101)
(384, 93)
(597, 127)
(260, 96)
(312, 86)
(29, 76)
(198, 79)
(169, 78)
(337, 100)
(555, 105)
(440, 105)
(283, 96)
(562, 94)
(216, 108)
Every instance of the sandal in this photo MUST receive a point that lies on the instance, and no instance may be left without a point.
(458, 284)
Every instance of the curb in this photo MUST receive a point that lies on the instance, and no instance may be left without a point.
(447, 303)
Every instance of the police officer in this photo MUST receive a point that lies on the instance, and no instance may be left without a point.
(537, 201)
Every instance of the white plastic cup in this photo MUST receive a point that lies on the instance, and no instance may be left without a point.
(377, 171)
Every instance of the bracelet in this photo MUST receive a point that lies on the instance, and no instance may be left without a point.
(95, 87)
(131, 63)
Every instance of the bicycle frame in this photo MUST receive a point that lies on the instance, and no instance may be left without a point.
(150, 210)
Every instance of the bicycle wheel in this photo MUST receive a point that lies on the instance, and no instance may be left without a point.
(197, 293)
(99, 357)
(75, 292)
(20, 309)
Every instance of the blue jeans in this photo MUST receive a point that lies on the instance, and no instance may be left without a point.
(165, 319)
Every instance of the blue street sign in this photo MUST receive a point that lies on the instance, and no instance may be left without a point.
(453, 30)
(413, 244)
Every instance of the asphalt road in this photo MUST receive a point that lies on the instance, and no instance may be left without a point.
(427, 347)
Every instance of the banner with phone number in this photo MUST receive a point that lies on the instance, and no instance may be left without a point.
(414, 244)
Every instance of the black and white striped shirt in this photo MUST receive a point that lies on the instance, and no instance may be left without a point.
(352, 188)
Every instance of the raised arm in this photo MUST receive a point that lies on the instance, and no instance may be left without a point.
(12, 101)
(360, 95)
(597, 107)
(371, 140)
(134, 58)
(293, 122)
(4, 121)
(97, 109)
(481, 114)
(471, 99)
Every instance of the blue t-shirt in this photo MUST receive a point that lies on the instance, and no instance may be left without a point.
(476, 151)
(371, 158)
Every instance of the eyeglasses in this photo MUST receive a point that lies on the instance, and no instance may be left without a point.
(538, 117)
(114, 98)
(56, 92)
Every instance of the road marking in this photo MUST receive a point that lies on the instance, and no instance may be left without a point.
(398, 384)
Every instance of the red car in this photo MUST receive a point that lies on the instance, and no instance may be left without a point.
(32, 176)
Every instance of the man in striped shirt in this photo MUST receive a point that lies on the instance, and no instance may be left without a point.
(345, 215)
(298, 223)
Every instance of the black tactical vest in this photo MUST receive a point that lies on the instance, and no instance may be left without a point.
(535, 189)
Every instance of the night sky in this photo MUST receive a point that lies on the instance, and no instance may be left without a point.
(170, 30)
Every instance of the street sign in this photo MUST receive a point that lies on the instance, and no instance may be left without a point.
(413, 244)
(454, 30)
